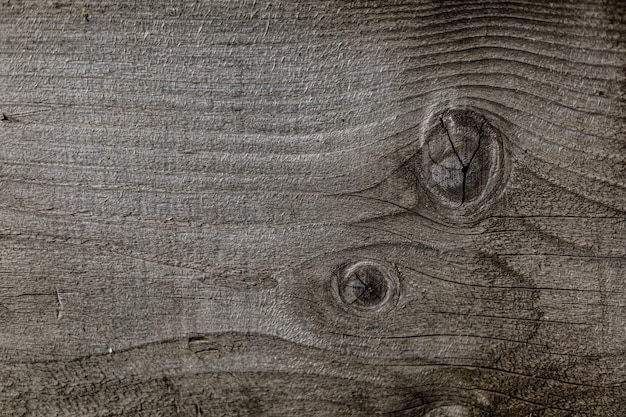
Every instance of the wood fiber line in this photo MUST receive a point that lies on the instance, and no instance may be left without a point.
(236, 373)
(321, 208)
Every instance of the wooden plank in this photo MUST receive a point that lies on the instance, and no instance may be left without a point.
(312, 208)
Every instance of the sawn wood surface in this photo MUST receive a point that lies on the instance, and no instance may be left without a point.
(312, 208)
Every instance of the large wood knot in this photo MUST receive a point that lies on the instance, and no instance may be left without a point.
(461, 158)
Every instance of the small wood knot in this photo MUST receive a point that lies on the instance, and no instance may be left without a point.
(365, 286)
(461, 158)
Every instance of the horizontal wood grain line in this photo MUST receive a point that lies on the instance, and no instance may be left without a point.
(389, 17)
(233, 345)
(460, 74)
(498, 37)
(453, 8)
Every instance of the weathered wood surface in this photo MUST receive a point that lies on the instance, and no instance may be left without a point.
(189, 190)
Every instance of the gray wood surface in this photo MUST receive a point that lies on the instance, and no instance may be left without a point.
(312, 208)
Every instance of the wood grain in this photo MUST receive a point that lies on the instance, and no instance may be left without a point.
(180, 181)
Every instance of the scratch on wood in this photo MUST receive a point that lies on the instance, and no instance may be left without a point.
(59, 304)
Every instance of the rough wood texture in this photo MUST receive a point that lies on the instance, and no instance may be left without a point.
(187, 186)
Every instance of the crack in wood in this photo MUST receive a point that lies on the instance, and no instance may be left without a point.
(465, 166)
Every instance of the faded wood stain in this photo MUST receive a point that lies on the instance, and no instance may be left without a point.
(330, 208)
